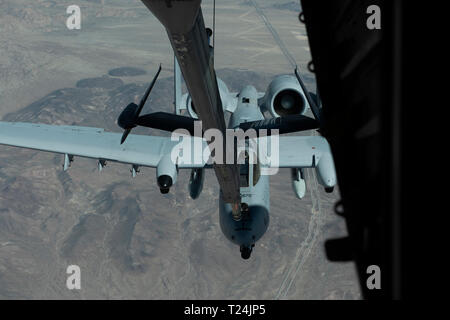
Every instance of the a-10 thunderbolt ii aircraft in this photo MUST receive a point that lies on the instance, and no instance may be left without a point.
(286, 100)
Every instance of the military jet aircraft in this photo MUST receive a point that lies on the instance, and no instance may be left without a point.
(286, 99)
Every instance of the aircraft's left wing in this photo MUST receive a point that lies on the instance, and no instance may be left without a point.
(94, 143)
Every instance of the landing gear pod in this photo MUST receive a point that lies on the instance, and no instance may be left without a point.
(166, 173)
(326, 174)
(196, 182)
(164, 183)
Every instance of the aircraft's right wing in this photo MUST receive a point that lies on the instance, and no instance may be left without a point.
(94, 143)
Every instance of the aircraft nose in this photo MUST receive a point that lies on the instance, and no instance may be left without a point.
(252, 225)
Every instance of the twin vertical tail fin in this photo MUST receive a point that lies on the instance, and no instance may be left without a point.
(313, 104)
(127, 119)
(177, 85)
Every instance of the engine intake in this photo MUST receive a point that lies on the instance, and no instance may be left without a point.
(164, 183)
(284, 96)
(225, 96)
(288, 102)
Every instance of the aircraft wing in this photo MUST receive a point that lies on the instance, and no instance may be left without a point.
(299, 152)
(91, 142)
(293, 151)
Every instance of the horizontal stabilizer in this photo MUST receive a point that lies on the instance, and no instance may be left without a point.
(286, 124)
(166, 121)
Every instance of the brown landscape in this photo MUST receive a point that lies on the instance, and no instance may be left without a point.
(130, 241)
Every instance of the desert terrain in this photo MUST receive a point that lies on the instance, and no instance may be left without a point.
(130, 241)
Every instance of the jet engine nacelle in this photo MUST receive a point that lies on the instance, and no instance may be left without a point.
(228, 101)
(166, 173)
(285, 96)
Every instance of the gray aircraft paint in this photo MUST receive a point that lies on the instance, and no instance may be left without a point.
(294, 152)
(253, 225)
